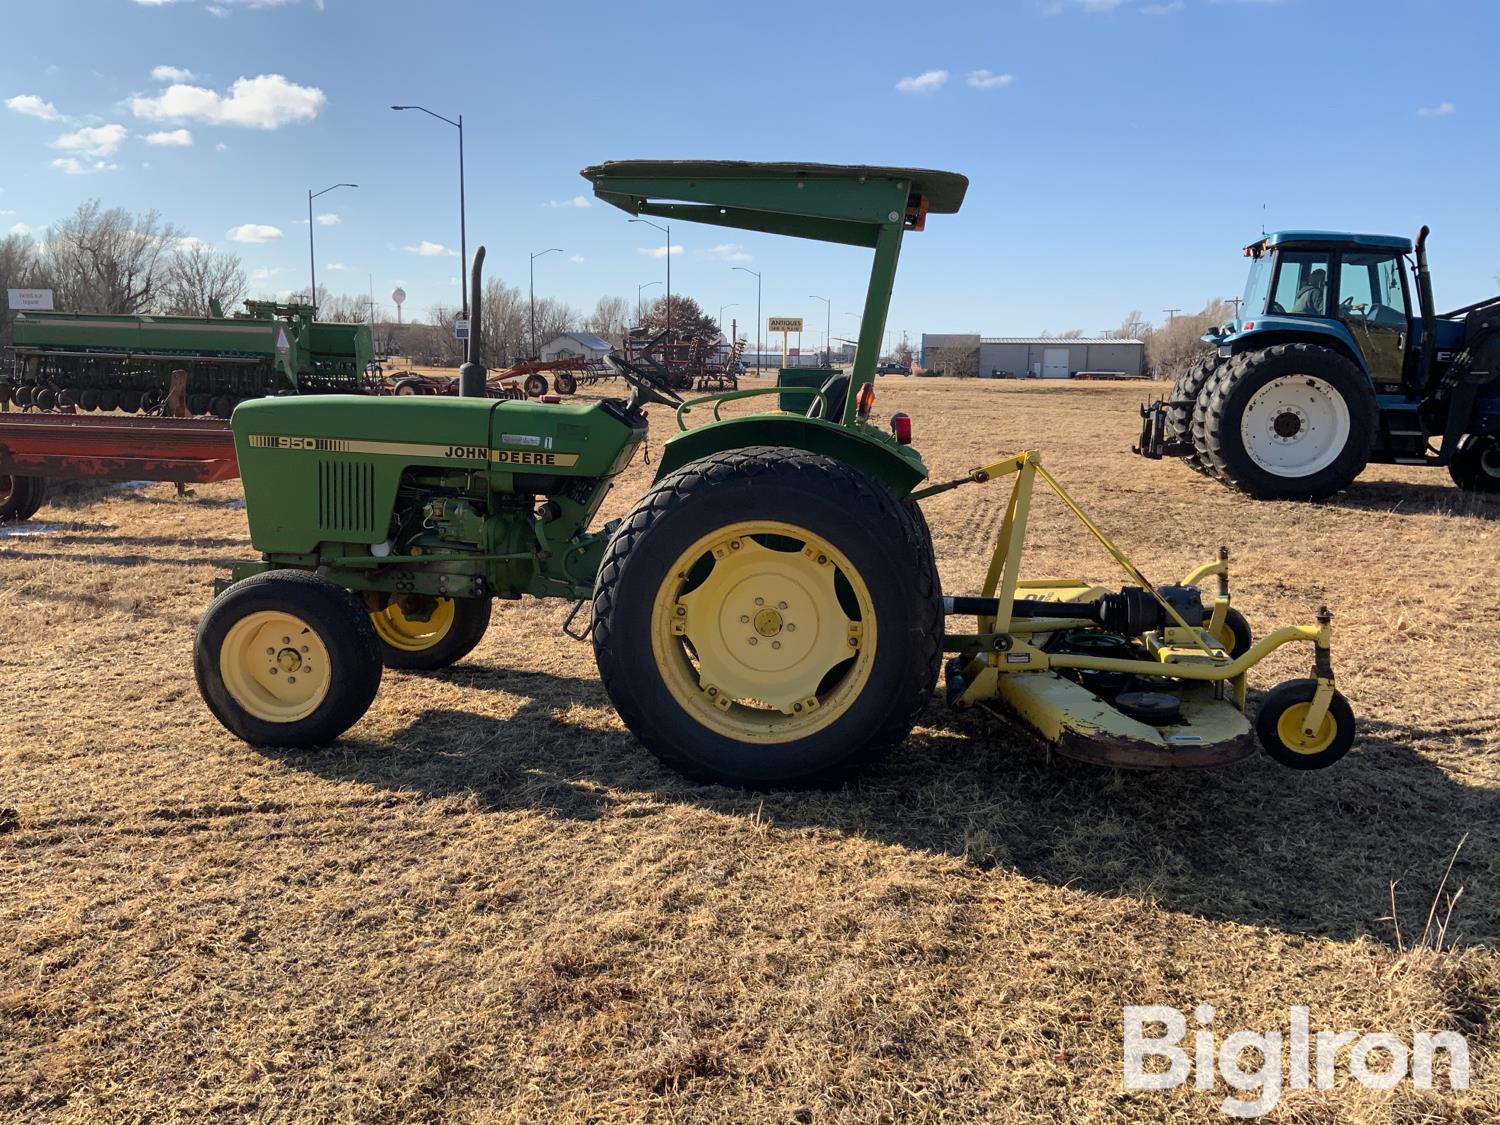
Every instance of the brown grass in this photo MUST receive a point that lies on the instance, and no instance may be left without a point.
(488, 904)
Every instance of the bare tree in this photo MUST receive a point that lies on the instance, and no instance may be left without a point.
(553, 318)
(1174, 345)
(197, 276)
(610, 318)
(1133, 327)
(904, 352)
(960, 361)
(342, 309)
(109, 261)
(506, 327)
(689, 321)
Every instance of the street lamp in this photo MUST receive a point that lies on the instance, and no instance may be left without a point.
(758, 321)
(827, 327)
(463, 232)
(666, 230)
(534, 257)
(731, 305)
(312, 260)
(638, 289)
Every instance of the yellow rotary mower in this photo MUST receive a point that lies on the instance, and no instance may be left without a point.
(1146, 676)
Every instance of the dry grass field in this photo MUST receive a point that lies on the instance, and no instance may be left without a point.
(488, 904)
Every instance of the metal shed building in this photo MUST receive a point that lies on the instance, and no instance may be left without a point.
(1044, 357)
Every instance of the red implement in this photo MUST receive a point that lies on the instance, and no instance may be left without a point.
(79, 447)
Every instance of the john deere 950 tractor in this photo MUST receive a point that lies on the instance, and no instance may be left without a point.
(1337, 358)
(769, 611)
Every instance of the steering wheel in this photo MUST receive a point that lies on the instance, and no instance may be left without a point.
(1347, 305)
(645, 390)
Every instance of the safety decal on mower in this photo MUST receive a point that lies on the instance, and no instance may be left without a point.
(410, 449)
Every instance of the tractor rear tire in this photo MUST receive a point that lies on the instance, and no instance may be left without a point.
(287, 659)
(698, 602)
(20, 497)
(449, 635)
(1290, 422)
(1476, 465)
(1187, 389)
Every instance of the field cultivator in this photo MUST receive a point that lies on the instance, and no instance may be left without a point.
(521, 380)
(770, 612)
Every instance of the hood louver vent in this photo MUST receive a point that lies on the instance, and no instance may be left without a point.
(346, 497)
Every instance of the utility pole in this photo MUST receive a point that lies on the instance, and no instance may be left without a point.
(758, 321)
(1171, 314)
(312, 259)
(667, 230)
(827, 328)
(731, 305)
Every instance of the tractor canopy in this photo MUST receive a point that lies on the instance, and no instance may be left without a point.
(1326, 239)
(852, 204)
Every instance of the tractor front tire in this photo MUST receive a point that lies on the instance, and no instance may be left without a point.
(1289, 422)
(287, 659)
(1186, 390)
(20, 497)
(768, 617)
(455, 626)
(1475, 466)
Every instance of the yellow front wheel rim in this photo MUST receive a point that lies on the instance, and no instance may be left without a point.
(408, 634)
(1289, 730)
(764, 632)
(275, 666)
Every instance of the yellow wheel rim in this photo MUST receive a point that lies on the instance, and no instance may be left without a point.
(764, 632)
(1289, 730)
(399, 631)
(275, 666)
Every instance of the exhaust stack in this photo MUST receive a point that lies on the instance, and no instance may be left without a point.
(472, 376)
(1428, 309)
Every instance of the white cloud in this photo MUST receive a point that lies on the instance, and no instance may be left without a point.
(575, 258)
(176, 137)
(19, 228)
(1165, 9)
(75, 167)
(928, 82)
(191, 242)
(335, 266)
(267, 101)
(92, 140)
(431, 250)
(5, 213)
(1446, 109)
(657, 251)
(988, 79)
(221, 147)
(576, 201)
(253, 232)
(264, 273)
(172, 74)
(730, 252)
(29, 105)
(1056, 7)
(328, 219)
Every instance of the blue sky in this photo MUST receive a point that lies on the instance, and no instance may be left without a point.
(1120, 152)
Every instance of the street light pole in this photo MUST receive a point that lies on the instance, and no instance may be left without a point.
(758, 321)
(638, 288)
(731, 305)
(827, 327)
(312, 258)
(667, 230)
(463, 226)
(534, 257)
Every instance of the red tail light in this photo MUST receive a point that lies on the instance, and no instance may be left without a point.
(901, 428)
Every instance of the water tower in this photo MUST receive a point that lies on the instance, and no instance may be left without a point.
(398, 295)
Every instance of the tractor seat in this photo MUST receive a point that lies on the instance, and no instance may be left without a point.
(835, 391)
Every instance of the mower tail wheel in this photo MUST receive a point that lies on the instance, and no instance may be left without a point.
(1476, 465)
(535, 385)
(448, 635)
(287, 658)
(767, 616)
(564, 382)
(1278, 725)
(20, 497)
(1235, 636)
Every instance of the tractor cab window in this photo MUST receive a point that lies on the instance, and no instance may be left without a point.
(1257, 286)
(1371, 290)
(1302, 281)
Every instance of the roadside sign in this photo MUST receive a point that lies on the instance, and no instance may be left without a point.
(30, 300)
(785, 324)
(794, 352)
(460, 329)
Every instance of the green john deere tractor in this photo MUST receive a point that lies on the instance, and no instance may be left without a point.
(770, 610)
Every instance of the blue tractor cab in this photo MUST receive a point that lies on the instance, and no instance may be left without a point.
(1337, 358)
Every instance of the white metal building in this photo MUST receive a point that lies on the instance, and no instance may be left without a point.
(585, 345)
(1040, 357)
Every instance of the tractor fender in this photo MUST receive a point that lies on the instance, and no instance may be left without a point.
(897, 467)
(1273, 330)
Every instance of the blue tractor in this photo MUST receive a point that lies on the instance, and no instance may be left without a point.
(1337, 359)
